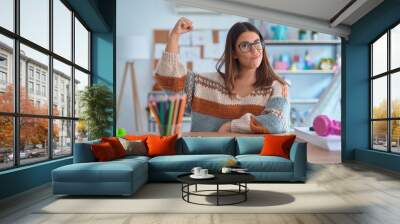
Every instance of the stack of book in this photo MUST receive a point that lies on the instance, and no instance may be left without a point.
(167, 111)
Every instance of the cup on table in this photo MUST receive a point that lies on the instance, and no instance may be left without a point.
(196, 171)
(226, 170)
(203, 172)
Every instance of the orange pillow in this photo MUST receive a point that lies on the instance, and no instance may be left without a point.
(277, 145)
(103, 151)
(116, 145)
(135, 137)
(161, 145)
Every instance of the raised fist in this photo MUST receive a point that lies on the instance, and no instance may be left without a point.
(183, 25)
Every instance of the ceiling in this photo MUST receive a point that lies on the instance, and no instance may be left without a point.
(327, 16)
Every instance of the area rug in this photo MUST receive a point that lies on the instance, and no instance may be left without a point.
(167, 198)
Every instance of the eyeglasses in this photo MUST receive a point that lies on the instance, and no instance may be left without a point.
(245, 46)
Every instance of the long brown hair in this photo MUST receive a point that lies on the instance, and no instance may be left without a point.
(265, 75)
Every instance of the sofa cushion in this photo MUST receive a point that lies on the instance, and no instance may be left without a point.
(249, 145)
(93, 172)
(257, 163)
(185, 163)
(206, 145)
(111, 171)
(131, 158)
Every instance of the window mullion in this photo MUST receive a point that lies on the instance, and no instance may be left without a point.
(16, 83)
(50, 81)
(389, 106)
(371, 97)
(73, 82)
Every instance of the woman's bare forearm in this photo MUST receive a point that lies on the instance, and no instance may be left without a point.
(173, 43)
(183, 25)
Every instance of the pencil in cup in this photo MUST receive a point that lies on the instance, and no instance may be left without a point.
(168, 113)
(154, 113)
(178, 124)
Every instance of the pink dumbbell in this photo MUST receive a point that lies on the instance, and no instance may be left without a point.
(324, 126)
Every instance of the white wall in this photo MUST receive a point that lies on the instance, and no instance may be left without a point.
(141, 18)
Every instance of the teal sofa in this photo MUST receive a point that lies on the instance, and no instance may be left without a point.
(125, 176)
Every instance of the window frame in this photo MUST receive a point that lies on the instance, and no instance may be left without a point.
(16, 114)
(388, 74)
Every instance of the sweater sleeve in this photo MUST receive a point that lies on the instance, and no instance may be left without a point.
(170, 73)
(275, 118)
(172, 76)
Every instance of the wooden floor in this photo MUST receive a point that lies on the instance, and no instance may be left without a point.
(378, 188)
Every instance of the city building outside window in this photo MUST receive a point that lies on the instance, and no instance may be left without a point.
(38, 89)
(3, 78)
(31, 73)
(3, 60)
(43, 90)
(30, 87)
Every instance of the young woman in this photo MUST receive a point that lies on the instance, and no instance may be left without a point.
(244, 95)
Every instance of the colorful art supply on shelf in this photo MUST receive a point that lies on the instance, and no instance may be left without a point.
(297, 63)
(308, 64)
(167, 111)
(314, 35)
(279, 32)
(326, 63)
(302, 34)
(280, 65)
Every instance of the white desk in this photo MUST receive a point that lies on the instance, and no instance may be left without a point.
(330, 142)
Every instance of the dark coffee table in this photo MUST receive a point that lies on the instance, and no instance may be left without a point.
(238, 179)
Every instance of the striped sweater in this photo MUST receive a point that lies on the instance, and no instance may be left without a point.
(265, 110)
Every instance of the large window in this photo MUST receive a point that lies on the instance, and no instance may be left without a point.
(34, 21)
(62, 33)
(7, 14)
(44, 64)
(81, 45)
(6, 83)
(385, 94)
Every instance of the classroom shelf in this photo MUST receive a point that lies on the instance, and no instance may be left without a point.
(302, 42)
(304, 101)
(311, 71)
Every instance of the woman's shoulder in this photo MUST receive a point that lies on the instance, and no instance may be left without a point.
(280, 88)
(281, 83)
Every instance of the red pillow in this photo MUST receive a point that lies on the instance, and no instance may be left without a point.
(277, 145)
(161, 145)
(116, 145)
(103, 151)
